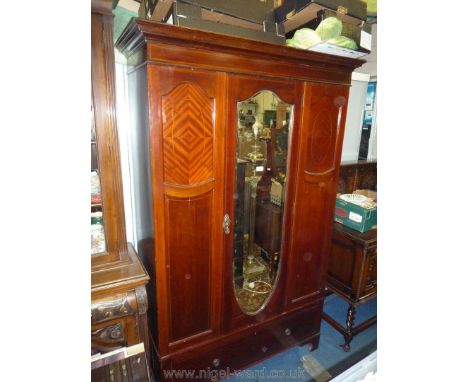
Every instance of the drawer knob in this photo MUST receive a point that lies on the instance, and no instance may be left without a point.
(287, 331)
(264, 349)
(215, 362)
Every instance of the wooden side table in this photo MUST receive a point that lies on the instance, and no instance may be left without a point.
(352, 275)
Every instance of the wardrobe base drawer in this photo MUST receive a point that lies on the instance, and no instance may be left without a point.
(217, 360)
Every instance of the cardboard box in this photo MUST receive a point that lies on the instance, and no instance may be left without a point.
(294, 13)
(327, 48)
(251, 10)
(361, 34)
(356, 217)
(193, 16)
(254, 11)
(369, 193)
(157, 10)
(161, 10)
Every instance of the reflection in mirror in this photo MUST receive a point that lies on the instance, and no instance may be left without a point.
(262, 156)
(98, 240)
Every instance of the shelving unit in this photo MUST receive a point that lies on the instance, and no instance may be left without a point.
(118, 278)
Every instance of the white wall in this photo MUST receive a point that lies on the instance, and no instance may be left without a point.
(370, 67)
(123, 127)
(356, 104)
(355, 107)
(372, 154)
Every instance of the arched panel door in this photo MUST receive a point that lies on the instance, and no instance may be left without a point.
(187, 154)
(260, 173)
(321, 136)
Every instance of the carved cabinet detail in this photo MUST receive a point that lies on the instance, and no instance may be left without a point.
(120, 321)
(112, 309)
(112, 333)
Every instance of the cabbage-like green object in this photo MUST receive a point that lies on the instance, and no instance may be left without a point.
(290, 42)
(344, 42)
(293, 44)
(304, 38)
(329, 28)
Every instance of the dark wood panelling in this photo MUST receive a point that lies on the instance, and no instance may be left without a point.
(235, 353)
(187, 134)
(341, 263)
(369, 278)
(103, 97)
(307, 264)
(189, 222)
(321, 134)
(118, 279)
(352, 274)
(352, 267)
(357, 175)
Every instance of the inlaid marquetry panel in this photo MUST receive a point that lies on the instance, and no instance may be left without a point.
(188, 126)
(321, 136)
(321, 141)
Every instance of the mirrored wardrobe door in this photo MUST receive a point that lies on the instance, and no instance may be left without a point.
(98, 239)
(260, 150)
(261, 172)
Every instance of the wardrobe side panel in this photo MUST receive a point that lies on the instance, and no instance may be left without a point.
(321, 138)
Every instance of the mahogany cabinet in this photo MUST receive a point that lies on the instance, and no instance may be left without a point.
(352, 275)
(118, 278)
(357, 175)
(352, 264)
(237, 146)
(352, 268)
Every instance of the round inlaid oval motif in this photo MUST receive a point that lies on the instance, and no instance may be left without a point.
(322, 138)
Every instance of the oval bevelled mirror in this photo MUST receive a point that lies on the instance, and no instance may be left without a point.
(259, 196)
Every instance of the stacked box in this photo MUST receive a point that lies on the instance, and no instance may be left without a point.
(254, 11)
(361, 34)
(244, 18)
(294, 13)
(156, 10)
(356, 217)
(298, 14)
